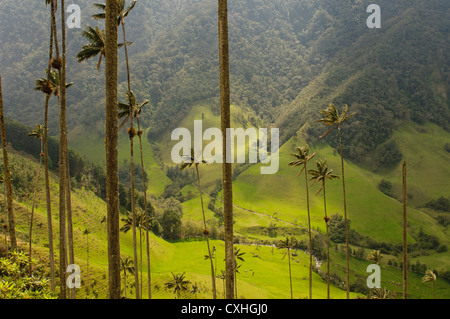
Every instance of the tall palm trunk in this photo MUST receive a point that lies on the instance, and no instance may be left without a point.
(133, 211)
(213, 277)
(38, 174)
(328, 238)
(347, 254)
(405, 246)
(111, 144)
(125, 281)
(69, 217)
(9, 201)
(290, 273)
(224, 66)
(6, 215)
(149, 278)
(47, 178)
(133, 205)
(87, 264)
(62, 167)
(140, 254)
(145, 210)
(309, 232)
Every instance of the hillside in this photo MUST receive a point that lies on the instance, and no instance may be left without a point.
(289, 59)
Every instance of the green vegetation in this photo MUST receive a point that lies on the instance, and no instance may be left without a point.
(289, 60)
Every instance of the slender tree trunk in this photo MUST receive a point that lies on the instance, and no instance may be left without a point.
(133, 205)
(328, 239)
(32, 207)
(133, 212)
(309, 232)
(405, 247)
(125, 282)
(72, 292)
(145, 209)
(5, 228)
(62, 163)
(226, 123)
(149, 277)
(213, 277)
(347, 257)
(140, 253)
(7, 181)
(47, 178)
(111, 139)
(87, 264)
(290, 273)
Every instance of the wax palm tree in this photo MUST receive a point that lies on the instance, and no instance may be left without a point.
(225, 123)
(63, 162)
(127, 111)
(375, 256)
(111, 142)
(238, 255)
(194, 290)
(302, 157)
(287, 244)
(321, 174)
(430, 276)
(95, 46)
(7, 172)
(178, 284)
(222, 276)
(86, 233)
(213, 256)
(190, 160)
(123, 12)
(404, 233)
(38, 133)
(50, 85)
(50, 89)
(127, 267)
(333, 119)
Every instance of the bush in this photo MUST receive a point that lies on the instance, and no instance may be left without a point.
(385, 187)
(16, 283)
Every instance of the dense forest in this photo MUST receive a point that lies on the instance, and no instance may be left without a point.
(292, 55)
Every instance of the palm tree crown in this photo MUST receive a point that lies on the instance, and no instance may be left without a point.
(38, 132)
(51, 85)
(178, 284)
(302, 157)
(96, 45)
(331, 117)
(121, 10)
(321, 173)
(132, 108)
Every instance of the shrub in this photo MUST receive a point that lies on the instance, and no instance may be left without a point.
(16, 283)
(385, 187)
(440, 204)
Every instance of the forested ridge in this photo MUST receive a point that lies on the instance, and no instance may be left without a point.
(288, 60)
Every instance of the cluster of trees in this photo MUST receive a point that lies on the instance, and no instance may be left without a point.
(441, 204)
